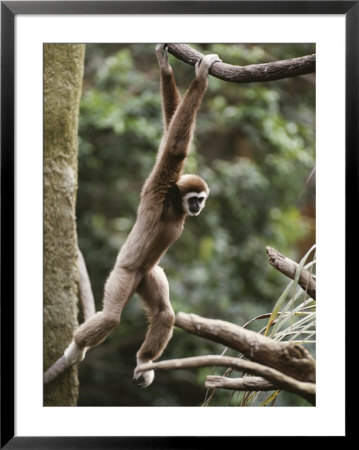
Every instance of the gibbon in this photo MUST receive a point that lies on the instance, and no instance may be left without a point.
(167, 198)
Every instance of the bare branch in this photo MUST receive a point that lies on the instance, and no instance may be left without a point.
(58, 368)
(289, 268)
(88, 306)
(240, 384)
(85, 290)
(250, 73)
(287, 357)
(304, 389)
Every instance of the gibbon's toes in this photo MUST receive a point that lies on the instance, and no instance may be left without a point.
(144, 379)
(203, 65)
(74, 353)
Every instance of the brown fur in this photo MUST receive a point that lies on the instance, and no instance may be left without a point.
(160, 220)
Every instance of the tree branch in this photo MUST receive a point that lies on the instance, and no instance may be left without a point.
(240, 384)
(287, 357)
(85, 290)
(88, 307)
(58, 368)
(289, 268)
(304, 389)
(251, 73)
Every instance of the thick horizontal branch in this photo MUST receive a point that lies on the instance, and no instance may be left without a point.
(289, 268)
(287, 357)
(250, 73)
(240, 384)
(306, 390)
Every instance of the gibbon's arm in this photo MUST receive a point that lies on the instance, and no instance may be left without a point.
(177, 139)
(171, 96)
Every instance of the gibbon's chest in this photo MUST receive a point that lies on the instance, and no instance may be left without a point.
(163, 235)
(166, 234)
(170, 231)
(148, 242)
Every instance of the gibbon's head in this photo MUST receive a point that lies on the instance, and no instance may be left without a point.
(194, 191)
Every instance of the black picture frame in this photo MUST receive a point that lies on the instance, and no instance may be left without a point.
(9, 10)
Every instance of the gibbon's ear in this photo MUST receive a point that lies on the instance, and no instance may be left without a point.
(192, 183)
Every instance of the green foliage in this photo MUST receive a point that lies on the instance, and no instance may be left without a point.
(254, 145)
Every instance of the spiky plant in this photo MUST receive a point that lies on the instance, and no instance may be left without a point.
(293, 319)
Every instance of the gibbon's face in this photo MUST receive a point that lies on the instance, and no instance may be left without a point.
(193, 202)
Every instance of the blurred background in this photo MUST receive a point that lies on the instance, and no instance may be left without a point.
(255, 147)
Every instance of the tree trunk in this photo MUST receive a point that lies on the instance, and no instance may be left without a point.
(63, 73)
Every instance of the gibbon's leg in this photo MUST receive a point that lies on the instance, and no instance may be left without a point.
(119, 287)
(155, 293)
(171, 96)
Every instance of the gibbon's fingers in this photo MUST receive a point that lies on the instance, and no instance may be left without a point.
(162, 56)
(160, 51)
(203, 65)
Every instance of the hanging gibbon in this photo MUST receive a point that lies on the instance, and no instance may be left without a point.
(167, 198)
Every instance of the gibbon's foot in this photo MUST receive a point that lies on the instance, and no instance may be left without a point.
(143, 379)
(162, 57)
(203, 65)
(74, 353)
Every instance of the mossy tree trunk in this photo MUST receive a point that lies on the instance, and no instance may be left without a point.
(63, 74)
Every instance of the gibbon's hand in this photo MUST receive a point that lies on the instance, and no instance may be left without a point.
(203, 65)
(162, 57)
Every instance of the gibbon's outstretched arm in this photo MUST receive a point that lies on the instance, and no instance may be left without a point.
(171, 96)
(177, 138)
(167, 198)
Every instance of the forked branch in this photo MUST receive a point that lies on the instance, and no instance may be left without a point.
(287, 357)
(280, 380)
